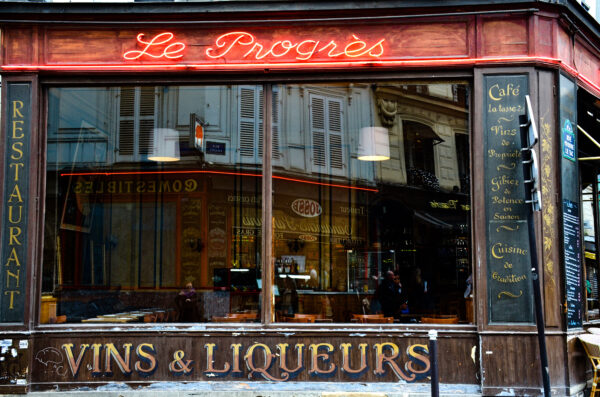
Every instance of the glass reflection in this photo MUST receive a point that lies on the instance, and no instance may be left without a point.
(382, 239)
(153, 204)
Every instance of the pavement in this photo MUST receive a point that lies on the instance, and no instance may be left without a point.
(262, 389)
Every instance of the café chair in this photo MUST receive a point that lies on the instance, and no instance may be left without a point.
(372, 318)
(301, 318)
(381, 320)
(244, 316)
(149, 318)
(591, 344)
(226, 319)
(440, 319)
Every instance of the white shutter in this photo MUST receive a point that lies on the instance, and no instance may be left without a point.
(137, 108)
(247, 123)
(126, 122)
(251, 105)
(147, 123)
(317, 125)
(326, 125)
(336, 153)
(275, 126)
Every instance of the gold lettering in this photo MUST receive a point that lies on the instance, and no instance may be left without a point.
(15, 276)
(96, 370)
(17, 108)
(13, 257)
(381, 359)
(74, 365)
(16, 193)
(283, 347)
(17, 147)
(16, 166)
(147, 357)
(11, 302)
(15, 128)
(10, 214)
(210, 361)
(316, 356)
(346, 350)
(14, 232)
(123, 363)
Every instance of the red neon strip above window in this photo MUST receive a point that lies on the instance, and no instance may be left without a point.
(425, 62)
(218, 173)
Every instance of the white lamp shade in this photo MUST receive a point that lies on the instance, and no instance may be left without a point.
(374, 144)
(165, 145)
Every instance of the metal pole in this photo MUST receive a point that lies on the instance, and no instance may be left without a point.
(529, 138)
(435, 384)
(539, 314)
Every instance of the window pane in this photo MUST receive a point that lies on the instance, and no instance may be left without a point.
(372, 205)
(153, 206)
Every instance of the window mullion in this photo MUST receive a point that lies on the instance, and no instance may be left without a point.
(267, 210)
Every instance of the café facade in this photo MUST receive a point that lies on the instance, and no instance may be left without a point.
(267, 193)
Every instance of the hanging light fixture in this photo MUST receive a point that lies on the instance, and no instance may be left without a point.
(374, 144)
(165, 145)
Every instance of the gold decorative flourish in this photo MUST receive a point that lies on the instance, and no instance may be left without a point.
(549, 208)
(510, 294)
(511, 118)
(512, 229)
(506, 167)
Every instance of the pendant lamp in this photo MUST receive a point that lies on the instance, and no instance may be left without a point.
(165, 145)
(374, 144)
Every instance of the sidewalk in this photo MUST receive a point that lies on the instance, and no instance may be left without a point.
(264, 389)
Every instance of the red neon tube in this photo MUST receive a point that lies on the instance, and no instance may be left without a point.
(219, 173)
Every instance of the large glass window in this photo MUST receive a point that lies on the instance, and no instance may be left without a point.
(154, 203)
(372, 206)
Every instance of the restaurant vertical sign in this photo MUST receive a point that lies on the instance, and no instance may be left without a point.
(508, 258)
(16, 197)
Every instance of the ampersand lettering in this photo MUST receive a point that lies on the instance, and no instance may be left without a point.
(179, 366)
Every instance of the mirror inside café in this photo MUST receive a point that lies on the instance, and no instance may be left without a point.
(153, 208)
(371, 203)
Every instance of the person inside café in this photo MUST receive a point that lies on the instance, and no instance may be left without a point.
(187, 304)
(388, 295)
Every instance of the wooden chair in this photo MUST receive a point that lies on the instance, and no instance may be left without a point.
(372, 318)
(226, 319)
(149, 318)
(244, 316)
(440, 319)
(384, 320)
(298, 320)
(591, 344)
(301, 318)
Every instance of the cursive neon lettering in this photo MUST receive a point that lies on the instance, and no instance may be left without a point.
(331, 53)
(304, 55)
(250, 47)
(151, 49)
(232, 38)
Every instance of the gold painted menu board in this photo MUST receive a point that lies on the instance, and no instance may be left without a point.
(508, 258)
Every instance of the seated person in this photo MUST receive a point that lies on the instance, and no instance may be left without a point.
(186, 302)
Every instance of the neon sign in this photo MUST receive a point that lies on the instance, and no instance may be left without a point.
(303, 50)
(171, 51)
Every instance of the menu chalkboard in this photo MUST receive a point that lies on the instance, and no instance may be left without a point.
(510, 298)
(570, 194)
(572, 252)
